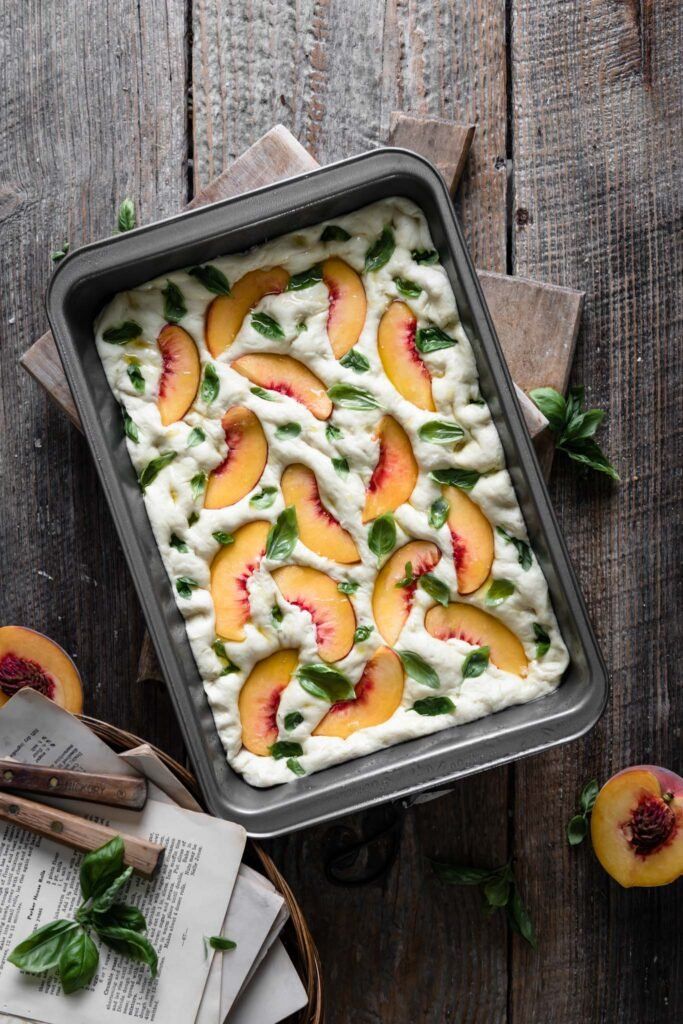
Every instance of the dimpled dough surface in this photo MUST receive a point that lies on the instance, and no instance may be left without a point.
(170, 502)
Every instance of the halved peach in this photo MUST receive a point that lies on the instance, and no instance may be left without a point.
(28, 658)
(348, 305)
(400, 358)
(332, 612)
(230, 570)
(391, 604)
(259, 700)
(180, 373)
(241, 469)
(395, 474)
(472, 538)
(478, 628)
(378, 695)
(318, 529)
(288, 377)
(226, 313)
(637, 826)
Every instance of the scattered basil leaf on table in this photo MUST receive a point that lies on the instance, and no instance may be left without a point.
(542, 640)
(285, 748)
(177, 543)
(433, 339)
(382, 536)
(185, 585)
(419, 670)
(292, 720)
(465, 479)
(380, 252)
(333, 233)
(130, 428)
(288, 430)
(435, 587)
(518, 917)
(574, 427)
(267, 326)
(355, 361)
(408, 289)
(135, 376)
(456, 874)
(174, 303)
(333, 433)
(295, 766)
(440, 432)
(433, 706)
(438, 513)
(262, 393)
(282, 536)
(153, 468)
(221, 944)
(57, 255)
(362, 633)
(499, 890)
(341, 467)
(213, 279)
(195, 437)
(198, 485)
(524, 556)
(347, 586)
(589, 795)
(305, 279)
(265, 498)
(498, 592)
(577, 827)
(326, 682)
(210, 384)
(121, 333)
(126, 219)
(350, 396)
(425, 256)
(476, 662)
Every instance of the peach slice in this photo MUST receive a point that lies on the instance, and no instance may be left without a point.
(226, 313)
(230, 570)
(472, 538)
(637, 826)
(391, 604)
(400, 358)
(289, 377)
(180, 373)
(395, 474)
(318, 529)
(478, 628)
(259, 700)
(28, 658)
(378, 695)
(241, 469)
(348, 305)
(332, 612)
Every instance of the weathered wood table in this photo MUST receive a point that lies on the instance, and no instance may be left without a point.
(574, 178)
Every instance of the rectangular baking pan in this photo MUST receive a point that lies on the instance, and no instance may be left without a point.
(86, 280)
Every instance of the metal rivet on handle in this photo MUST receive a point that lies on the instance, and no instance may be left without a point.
(8, 776)
(53, 782)
(56, 826)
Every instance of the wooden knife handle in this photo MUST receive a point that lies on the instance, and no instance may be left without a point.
(114, 790)
(78, 833)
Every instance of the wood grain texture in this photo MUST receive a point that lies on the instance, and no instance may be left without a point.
(447, 142)
(113, 790)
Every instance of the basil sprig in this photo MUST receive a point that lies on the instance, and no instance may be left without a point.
(174, 303)
(305, 279)
(408, 289)
(574, 427)
(355, 361)
(349, 396)
(542, 639)
(125, 220)
(419, 670)
(498, 592)
(122, 333)
(433, 706)
(438, 513)
(499, 890)
(267, 326)
(333, 233)
(523, 549)
(382, 536)
(285, 748)
(326, 683)
(210, 384)
(213, 279)
(380, 252)
(577, 827)
(465, 479)
(433, 339)
(153, 468)
(436, 588)
(265, 498)
(427, 257)
(440, 432)
(476, 662)
(282, 536)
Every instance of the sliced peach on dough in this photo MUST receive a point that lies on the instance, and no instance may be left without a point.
(259, 700)
(318, 529)
(472, 538)
(226, 313)
(478, 628)
(241, 469)
(230, 570)
(378, 695)
(29, 659)
(288, 377)
(400, 358)
(348, 305)
(180, 373)
(391, 604)
(395, 475)
(331, 611)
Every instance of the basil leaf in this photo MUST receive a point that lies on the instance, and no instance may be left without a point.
(135, 376)
(288, 430)
(382, 536)
(213, 279)
(121, 915)
(577, 829)
(552, 405)
(295, 766)
(78, 961)
(589, 795)
(218, 647)
(465, 479)
(333, 433)
(355, 361)
(193, 518)
(408, 577)
(184, 585)
(520, 920)
(282, 536)
(42, 949)
(58, 255)
(265, 498)
(130, 428)
(126, 331)
(195, 437)
(347, 587)
(126, 216)
(425, 256)
(542, 640)
(498, 592)
(582, 425)
(210, 384)
(198, 485)
(153, 468)
(101, 867)
(326, 682)
(221, 944)
(440, 432)
(105, 900)
(262, 393)
(174, 303)
(285, 748)
(349, 396)
(436, 588)
(292, 720)
(588, 453)
(438, 513)
(433, 339)
(301, 327)
(523, 549)
(476, 662)
(341, 467)
(433, 706)
(408, 289)
(362, 633)
(380, 252)
(230, 668)
(419, 670)
(130, 943)
(306, 279)
(333, 233)
(277, 614)
(457, 874)
(223, 538)
(267, 326)
(497, 890)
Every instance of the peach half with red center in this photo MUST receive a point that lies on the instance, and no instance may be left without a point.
(472, 538)
(331, 611)
(637, 826)
(241, 469)
(391, 604)
(30, 659)
(230, 572)
(479, 629)
(348, 305)
(288, 377)
(259, 700)
(400, 358)
(378, 695)
(318, 529)
(226, 313)
(180, 373)
(395, 475)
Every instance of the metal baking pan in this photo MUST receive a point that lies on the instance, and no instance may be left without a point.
(86, 280)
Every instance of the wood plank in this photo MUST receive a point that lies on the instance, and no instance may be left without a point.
(447, 142)
(597, 124)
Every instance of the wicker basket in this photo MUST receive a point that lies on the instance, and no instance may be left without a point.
(297, 937)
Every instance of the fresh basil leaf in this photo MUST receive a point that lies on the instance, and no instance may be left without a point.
(174, 303)
(380, 252)
(221, 944)
(125, 220)
(476, 662)
(121, 915)
(333, 233)
(195, 437)
(588, 453)
(582, 425)
(341, 467)
(542, 640)
(198, 485)
(130, 428)
(267, 326)
(78, 961)
(425, 256)
(210, 384)
(349, 396)
(436, 588)
(524, 556)
(306, 279)
(184, 585)
(277, 614)
(589, 795)
(230, 668)
(122, 333)
(213, 279)
(382, 536)
(362, 633)
(520, 920)
(440, 432)
(130, 943)
(282, 536)
(347, 586)
(433, 339)
(58, 254)
(218, 647)
(408, 289)
(458, 874)
(577, 829)
(292, 720)
(223, 538)
(465, 479)
(433, 706)
(326, 682)
(135, 376)
(42, 949)
(408, 578)
(105, 900)
(438, 513)
(288, 430)
(285, 748)
(262, 393)
(333, 433)
(498, 592)
(497, 890)
(265, 498)
(193, 518)
(301, 327)
(419, 670)
(552, 405)
(153, 468)
(101, 867)
(295, 766)
(355, 361)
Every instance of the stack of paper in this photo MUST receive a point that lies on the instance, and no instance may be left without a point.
(201, 890)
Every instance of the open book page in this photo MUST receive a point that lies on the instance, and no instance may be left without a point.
(273, 994)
